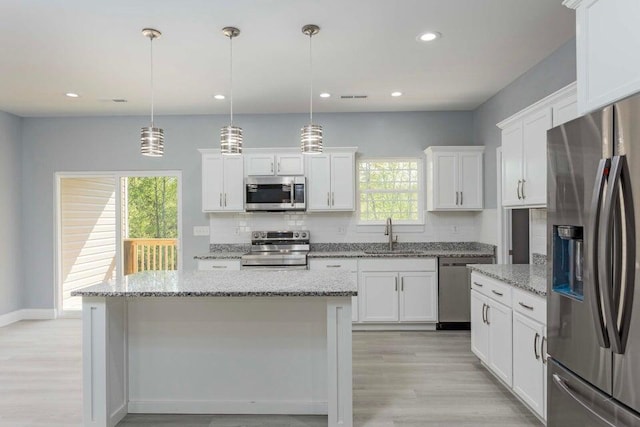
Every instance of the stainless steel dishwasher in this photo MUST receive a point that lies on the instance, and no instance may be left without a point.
(454, 294)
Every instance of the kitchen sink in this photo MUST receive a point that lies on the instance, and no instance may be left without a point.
(393, 252)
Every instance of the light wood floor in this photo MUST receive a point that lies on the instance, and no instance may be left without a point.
(400, 379)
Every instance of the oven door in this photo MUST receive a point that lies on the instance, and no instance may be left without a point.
(275, 194)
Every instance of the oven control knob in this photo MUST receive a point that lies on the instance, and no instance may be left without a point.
(304, 235)
(296, 235)
(256, 234)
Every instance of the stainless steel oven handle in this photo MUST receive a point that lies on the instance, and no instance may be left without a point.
(562, 384)
(593, 254)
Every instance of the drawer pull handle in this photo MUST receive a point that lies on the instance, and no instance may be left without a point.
(528, 307)
(478, 284)
(218, 266)
(334, 266)
(497, 293)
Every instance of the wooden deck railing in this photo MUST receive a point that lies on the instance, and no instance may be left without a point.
(149, 254)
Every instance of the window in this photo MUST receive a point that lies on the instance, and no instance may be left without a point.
(389, 188)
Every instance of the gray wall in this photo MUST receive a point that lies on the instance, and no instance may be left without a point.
(10, 214)
(552, 73)
(101, 144)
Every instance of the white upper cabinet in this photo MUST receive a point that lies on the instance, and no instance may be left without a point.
(608, 41)
(331, 181)
(274, 164)
(454, 178)
(524, 148)
(222, 182)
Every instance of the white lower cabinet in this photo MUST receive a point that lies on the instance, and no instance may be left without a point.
(509, 337)
(398, 290)
(491, 334)
(379, 297)
(528, 369)
(340, 264)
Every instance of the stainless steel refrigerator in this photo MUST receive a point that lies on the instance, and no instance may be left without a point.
(593, 302)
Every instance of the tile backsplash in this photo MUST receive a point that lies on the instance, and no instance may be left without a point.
(344, 227)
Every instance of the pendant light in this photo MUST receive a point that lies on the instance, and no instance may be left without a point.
(231, 136)
(151, 138)
(311, 135)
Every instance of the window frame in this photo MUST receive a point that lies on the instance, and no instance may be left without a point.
(362, 225)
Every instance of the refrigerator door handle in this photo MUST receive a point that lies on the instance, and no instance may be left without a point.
(593, 257)
(562, 384)
(618, 317)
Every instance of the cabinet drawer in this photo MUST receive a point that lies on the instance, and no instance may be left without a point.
(333, 264)
(492, 288)
(395, 264)
(530, 305)
(219, 264)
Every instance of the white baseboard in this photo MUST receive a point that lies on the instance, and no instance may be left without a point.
(228, 407)
(27, 314)
(118, 415)
(394, 327)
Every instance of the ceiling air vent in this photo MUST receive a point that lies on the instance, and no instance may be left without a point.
(353, 96)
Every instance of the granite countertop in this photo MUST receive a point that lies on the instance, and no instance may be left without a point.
(244, 283)
(530, 277)
(357, 250)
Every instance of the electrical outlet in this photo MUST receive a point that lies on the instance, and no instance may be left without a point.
(342, 230)
(201, 230)
(454, 229)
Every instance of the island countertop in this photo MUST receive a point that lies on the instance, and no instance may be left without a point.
(243, 283)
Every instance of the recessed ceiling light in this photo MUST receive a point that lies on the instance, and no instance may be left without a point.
(325, 95)
(396, 93)
(72, 95)
(429, 36)
(218, 96)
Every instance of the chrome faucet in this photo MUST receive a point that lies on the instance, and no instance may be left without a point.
(388, 231)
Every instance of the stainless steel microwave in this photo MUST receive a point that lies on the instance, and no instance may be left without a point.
(275, 193)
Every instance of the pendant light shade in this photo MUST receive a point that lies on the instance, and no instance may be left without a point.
(311, 135)
(151, 137)
(231, 136)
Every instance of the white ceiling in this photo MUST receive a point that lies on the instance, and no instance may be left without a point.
(367, 47)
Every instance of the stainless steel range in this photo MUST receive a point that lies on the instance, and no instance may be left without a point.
(277, 250)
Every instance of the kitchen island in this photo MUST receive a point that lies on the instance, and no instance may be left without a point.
(233, 342)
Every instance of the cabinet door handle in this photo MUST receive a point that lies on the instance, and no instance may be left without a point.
(497, 293)
(535, 346)
(461, 199)
(456, 198)
(523, 195)
(220, 199)
(543, 351)
(528, 307)
(225, 200)
(278, 166)
(402, 284)
(333, 198)
(218, 266)
(328, 199)
(271, 167)
(396, 284)
(484, 318)
(519, 182)
(478, 284)
(334, 265)
(487, 315)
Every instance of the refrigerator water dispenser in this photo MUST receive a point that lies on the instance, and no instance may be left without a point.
(568, 261)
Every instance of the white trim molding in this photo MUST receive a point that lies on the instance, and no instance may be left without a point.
(27, 314)
(572, 4)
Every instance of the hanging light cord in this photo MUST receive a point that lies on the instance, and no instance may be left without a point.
(151, 56)
(311, 81)
(231, 78)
